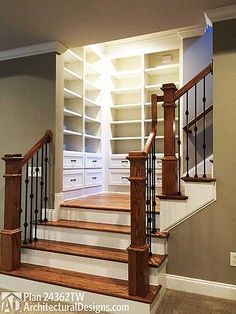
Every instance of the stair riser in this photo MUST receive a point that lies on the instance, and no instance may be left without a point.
(84, 264)
(97, 238)
(99, 216)
(39, 288)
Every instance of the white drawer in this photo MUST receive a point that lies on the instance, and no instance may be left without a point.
(93, 177)
(73, 179)
(93, 161)
(73, 160)
(158, 164)
(119, 161)
(158, 179)
(119, 177)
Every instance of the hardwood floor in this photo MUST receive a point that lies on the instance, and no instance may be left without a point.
(85, 282)
(97, 252)
(109, 201)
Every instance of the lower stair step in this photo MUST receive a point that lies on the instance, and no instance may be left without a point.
(97, 252)
(74, 224)
(85, 282)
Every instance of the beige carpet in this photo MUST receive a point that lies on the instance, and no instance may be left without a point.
(176, 302)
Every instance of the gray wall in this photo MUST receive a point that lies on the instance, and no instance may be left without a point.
(27, 102)
(200, 246)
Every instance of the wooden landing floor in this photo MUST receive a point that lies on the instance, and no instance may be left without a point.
(109, 201)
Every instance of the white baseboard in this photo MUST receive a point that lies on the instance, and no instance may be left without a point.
(199, 286)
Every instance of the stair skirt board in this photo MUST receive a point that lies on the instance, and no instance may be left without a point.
(90, 298)
(86, 265)
(95, 238)
(93, 215)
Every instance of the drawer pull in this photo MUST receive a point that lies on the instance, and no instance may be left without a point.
(124, 163)
(94, 178)
(72, 180)
(73, 160)
(124, 178)
(94, 160)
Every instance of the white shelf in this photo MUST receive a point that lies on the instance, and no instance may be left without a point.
(71, 56)
(92, 136)
(71, 113)
(153, 87)
(159, 120)
(69, 132)
(90, 69)
(126, 90)
(126, 121)
(93, 49)
(126, 74)
(126, 106)
(68, 94)
(91, 120)
(148, 103)
(89, 86)
(163, 69)
(70, 75)
(90, 103)
(159, 136)
(126, 138)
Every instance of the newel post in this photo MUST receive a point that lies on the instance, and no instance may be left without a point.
(11, 234)
(138, 254)
(169, 161)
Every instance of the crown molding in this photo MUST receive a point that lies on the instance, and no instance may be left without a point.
(191, 31)
(220, 14)
(47, 47)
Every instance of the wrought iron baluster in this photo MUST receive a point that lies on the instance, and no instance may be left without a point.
(46, 182)
(204, 127)
(41, 185)
(26, 203)
(36, 197)
(20, 209)
(187, 132)
(179, 146)
(31, 199)
(153, 153)
(150, 201)
(195, 131)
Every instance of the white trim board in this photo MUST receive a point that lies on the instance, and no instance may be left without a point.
(220, 14)
(47, 47)
(199, 286)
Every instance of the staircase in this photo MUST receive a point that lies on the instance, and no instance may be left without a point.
(112, 246)
(88, 246)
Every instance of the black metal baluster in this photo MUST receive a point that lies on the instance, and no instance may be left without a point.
(179, 146)
(26, 203)
(147, 202)
(187, 142)
(154, 188)
(31, 199)
(150, 200)
(46, 183)
(195, 131)
(36, 197)
(204, 127)
(41, 186)
(20, 209)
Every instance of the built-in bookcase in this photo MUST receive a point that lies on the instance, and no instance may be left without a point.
(133, 80)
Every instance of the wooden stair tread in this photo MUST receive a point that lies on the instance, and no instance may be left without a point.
(199, 179)
(85, 282)
(98, 252)
(103, 201)
(75, 224)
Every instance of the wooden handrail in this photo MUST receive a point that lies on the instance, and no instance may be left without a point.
(194, 81)
(47, 138)
(11, 234)
(199, 117)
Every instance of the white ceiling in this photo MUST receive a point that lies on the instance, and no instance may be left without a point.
(80, 22)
